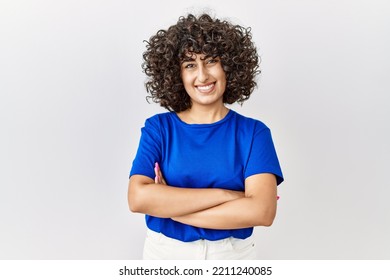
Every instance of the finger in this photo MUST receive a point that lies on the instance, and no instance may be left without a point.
(162, 180)
(157, 179)
(159, 174)
(158, 170)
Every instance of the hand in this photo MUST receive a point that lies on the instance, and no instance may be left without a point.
(158, 179)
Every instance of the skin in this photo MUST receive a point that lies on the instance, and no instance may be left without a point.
(257, 206)
(160, 200)
(205, 82)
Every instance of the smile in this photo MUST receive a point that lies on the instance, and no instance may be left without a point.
(206, 88)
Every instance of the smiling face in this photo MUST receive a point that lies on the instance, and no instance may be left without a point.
(204, 79)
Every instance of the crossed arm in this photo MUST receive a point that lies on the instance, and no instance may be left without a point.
(206, 208)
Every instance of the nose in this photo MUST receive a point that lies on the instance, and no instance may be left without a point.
(203, 74)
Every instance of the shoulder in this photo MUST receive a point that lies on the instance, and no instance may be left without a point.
(161, 124)
(161, 118)
(248, 123)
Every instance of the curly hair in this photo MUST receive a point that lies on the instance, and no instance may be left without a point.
(212, 37)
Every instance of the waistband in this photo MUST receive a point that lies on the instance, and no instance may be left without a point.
(159, 237)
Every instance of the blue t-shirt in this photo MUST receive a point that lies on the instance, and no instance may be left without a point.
(218, 155)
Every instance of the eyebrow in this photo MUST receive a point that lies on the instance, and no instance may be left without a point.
(187, 59)
(190, 59)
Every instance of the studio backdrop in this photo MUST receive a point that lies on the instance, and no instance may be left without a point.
(73, 103)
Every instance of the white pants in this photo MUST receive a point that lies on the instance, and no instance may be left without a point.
(159, 247)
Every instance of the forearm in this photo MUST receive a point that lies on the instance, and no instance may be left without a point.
(166, 201)
(240, 213)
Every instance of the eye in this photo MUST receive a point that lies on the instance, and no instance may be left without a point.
(189, 65)
(212, 61)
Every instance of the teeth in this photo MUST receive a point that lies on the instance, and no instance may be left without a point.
(206, 87)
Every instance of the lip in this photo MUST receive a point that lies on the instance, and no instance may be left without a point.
(206, 88)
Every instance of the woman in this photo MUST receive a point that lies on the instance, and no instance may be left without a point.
(204, 175)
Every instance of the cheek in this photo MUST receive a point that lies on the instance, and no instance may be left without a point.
(222, 78)
(185, 79)
(186, 83)
(221, 75)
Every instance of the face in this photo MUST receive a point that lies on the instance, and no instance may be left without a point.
(204, 79)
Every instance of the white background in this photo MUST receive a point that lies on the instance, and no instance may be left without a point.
(73, 102)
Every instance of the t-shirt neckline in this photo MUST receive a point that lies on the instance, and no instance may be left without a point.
(195, 125)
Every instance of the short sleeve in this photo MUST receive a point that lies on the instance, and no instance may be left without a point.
(149, 149)
(263, 157)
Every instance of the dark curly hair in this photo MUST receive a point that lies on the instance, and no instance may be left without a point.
(166, 50)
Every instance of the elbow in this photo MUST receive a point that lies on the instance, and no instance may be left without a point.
(135, 202)
(266, 219)
(138, 194)
(267, 222)
(135, 199)
(263, 221)
(133, 206)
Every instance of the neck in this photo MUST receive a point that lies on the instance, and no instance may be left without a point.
(203, 115)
